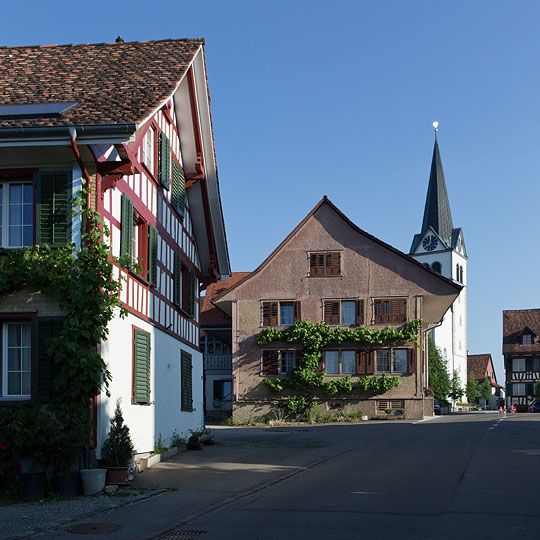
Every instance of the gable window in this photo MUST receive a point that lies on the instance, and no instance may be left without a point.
(278, 362)
(141, 367)
(280, 313)
(148, 150)
(343, 312)
(325, 263)
(16, 214)
(526, 339)
(391, 360)
(186, 378)
(390, 310)
(16, 349)
(518, 364)
(340, 362)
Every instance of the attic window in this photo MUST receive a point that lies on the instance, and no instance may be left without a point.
(36, 110)
(526, 339)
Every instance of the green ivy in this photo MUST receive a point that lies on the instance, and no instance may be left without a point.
(81, 280)
(314, 337)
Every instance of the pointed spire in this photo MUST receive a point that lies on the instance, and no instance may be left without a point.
(437, 211)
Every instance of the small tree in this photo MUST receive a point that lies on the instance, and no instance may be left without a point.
(485, 391)
(439, 380)
(118, 447)
(456, 391)
(471, 390)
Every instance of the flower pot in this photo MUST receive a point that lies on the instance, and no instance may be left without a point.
(32, 485)
(93, 480)
(67, 486)
(116, 476)
(364, 417)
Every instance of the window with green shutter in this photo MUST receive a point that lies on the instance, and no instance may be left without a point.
(186, 381)
(141, 367)
(178, 188)
(43, 376)
(177, 296)
(126, 240)
(192, 292)
(53, 208)
(164, 170)
(152, 255)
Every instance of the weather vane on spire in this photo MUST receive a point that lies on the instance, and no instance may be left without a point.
(436, 126)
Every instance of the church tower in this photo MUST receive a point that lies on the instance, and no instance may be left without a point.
(440, 246)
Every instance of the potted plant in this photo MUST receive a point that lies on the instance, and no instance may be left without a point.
(117, 450)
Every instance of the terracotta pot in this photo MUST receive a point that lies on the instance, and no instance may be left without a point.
(116, 476)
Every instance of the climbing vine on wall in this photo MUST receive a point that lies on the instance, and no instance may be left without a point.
(80, 280)
(314, 337)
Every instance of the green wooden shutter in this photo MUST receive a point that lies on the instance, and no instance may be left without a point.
(528, 364)
(141, 366)
(192, 292)
(177, 280)
(43, 376)
(509, 389)
(126, 240)
(178, 188)
(164, 161)
(53, 208)
(152, 255)
(186, 381)
(530, 389)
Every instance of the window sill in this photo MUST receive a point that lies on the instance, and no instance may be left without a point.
(140, 278)
(6, 401)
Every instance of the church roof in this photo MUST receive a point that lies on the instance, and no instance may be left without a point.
(437, 210)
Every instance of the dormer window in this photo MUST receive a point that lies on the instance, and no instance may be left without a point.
(526, 339)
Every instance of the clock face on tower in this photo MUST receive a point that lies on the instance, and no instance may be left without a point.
(430, 243)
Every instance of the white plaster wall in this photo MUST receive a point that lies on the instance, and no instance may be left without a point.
(163, 415)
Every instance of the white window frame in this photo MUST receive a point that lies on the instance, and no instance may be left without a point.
(5, 213)
(516, 365)
(148, 149)
(526, 339)
(518, 389)
(4, 361)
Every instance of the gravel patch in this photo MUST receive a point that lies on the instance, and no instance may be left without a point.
(27, 519)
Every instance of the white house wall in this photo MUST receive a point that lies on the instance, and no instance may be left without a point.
(163, 415)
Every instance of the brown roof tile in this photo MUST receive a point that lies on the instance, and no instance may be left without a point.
(210, 314)
(477, 365)
(515, 322)
(114, 82)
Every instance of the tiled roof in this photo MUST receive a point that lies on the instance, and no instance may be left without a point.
(115, 83)
(514, 323)
(477, 365)
(210, 314)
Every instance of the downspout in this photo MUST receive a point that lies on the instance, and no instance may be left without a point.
(73, 135)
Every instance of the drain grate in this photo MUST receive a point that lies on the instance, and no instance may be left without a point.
(181, 535)
(94, 528)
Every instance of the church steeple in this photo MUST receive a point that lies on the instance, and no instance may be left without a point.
(437, 210)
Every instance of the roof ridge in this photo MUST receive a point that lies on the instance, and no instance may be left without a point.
(103, 43)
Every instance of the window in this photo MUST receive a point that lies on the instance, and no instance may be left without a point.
(343, 312)
(185, 287)
(16, 348)
(396, 404)
(392, 360)
(178, 191)
(518, 364)
(148, 150)
(278, 362)
(280, 313)
(325, 263)
(518, 389)
(526, 339)
(16, 214)
(186, 379)
(390, 310)
(340, 362)
(141, 367)
(437, 266)
(164, 172)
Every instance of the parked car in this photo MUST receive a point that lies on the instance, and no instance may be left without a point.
(535, 406)
(436, 407)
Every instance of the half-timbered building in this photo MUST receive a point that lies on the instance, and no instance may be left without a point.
(521, 350)
(480, 366)
(330, 270)
(130, 122)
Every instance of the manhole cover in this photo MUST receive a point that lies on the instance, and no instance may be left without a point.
(181, 535)
(94, 528)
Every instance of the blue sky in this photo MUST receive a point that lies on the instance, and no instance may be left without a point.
(314, 98)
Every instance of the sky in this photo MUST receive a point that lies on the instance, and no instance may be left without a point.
(313, 98)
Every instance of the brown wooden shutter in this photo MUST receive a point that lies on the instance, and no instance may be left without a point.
(411, 357)
(361, 362)
(377, 311)
(334, 268)
(318, 268)
(359, 312)
(331, 312)
(270, 313)
(297, 311)
(370, 362)
(270, 363)
(402, 310)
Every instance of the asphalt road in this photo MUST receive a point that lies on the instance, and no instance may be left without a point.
(470, 476)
